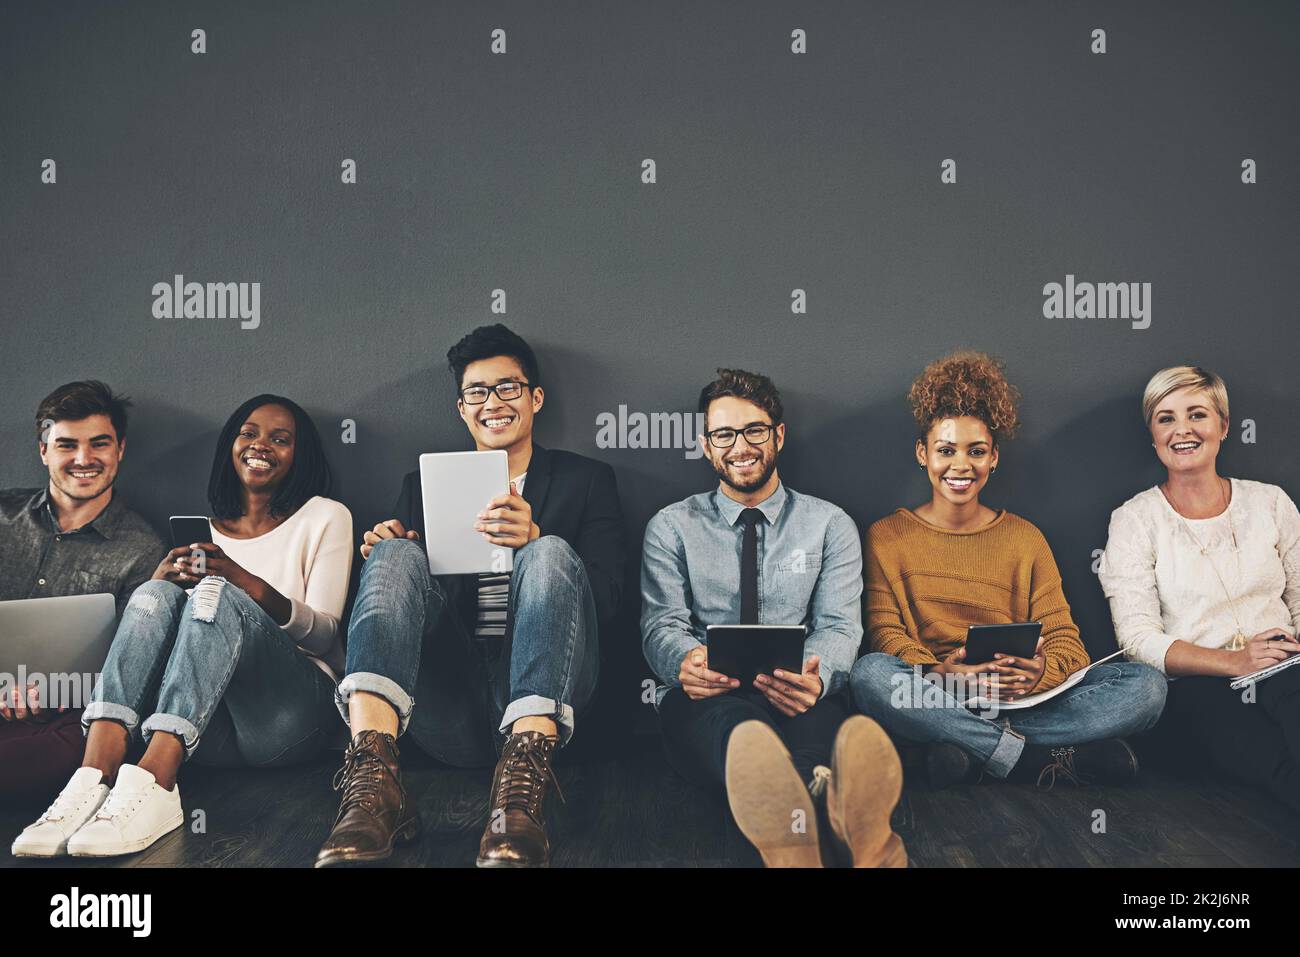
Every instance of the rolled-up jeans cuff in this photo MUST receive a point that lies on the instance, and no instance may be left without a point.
(371, 683)
(534, 705)
(173, 724)
(98, 710)
(1005, 755)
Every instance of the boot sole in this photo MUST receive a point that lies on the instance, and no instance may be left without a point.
(866, 783)
(494, 862)
(405, 834)
(764, 791)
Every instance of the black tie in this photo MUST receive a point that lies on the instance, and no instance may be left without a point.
(749, 567)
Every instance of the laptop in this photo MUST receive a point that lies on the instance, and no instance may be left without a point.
(455, 487)
(52, 636)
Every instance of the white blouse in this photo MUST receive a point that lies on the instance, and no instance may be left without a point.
(1168, 577)
(307, 558)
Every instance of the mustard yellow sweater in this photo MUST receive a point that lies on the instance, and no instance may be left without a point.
(925, 584)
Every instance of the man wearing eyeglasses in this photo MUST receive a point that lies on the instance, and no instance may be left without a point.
(754, 551)
(487, 668)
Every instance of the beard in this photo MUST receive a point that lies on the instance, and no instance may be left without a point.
(769, 466)
(67, 485)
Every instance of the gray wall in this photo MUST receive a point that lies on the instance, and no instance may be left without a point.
(775, 171)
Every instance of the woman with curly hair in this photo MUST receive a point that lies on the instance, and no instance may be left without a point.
(952, 562)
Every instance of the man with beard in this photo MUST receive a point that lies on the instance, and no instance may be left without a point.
(753, 551)
(74, 536)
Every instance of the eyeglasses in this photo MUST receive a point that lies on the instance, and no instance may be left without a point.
(756, 433)
(505, 391)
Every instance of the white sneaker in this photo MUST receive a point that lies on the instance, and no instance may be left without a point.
(136, 813)
(80, 798)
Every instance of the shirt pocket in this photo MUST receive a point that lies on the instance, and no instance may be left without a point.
(799, 562)
(794, 580)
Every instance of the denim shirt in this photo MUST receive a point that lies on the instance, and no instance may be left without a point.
(809, 573)
(114, 553)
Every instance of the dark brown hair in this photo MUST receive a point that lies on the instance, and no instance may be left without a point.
(75, 401)
(750, 386)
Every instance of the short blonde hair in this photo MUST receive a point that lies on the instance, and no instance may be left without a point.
(1174, 378)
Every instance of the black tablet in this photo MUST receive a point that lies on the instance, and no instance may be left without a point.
(984, 641)
(744, 652)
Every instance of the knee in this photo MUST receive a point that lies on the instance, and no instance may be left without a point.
(397, 557)
(872, 679)
(549, 557)
(156, 597)
(1148, 686)
(214, 594)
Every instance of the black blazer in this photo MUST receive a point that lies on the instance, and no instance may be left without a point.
(573, 497)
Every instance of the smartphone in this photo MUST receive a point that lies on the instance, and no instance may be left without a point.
(188, 529)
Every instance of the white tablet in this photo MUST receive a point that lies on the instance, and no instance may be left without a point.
(455, 487)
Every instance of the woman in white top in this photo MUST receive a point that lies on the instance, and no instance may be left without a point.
(1203, 577)
(239, 670)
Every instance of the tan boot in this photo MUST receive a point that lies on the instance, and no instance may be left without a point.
(770, 802)
(866, 783)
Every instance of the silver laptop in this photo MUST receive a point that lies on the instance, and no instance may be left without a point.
(65, 635)
(455, 487)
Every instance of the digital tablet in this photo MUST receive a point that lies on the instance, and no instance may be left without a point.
(455, 487)
(744, 652)
(984, 641)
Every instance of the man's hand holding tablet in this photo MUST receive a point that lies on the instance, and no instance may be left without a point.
(508, 520)
(389, 529)
(698, 681)
(792, 694)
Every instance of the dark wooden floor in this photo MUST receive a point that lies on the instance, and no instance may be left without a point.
(637, 813)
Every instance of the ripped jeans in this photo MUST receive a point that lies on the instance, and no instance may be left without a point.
(215, 670)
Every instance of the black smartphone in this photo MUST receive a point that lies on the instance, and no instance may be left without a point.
(188, 529)
(985, 641)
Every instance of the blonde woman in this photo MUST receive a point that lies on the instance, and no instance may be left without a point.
(1203, 577)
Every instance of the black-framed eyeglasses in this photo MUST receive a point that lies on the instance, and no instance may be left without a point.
(505, 391)
(756, 433)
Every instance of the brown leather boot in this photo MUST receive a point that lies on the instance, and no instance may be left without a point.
(515, 835)
(374, 812)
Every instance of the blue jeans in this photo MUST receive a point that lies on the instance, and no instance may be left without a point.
(1113, 700)
(214, 668)
(407, 644)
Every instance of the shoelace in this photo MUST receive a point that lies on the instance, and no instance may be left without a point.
(820, 781)
(521, 779)
(1062, 764)
(64, 805)
(359, 778)
(119, 805)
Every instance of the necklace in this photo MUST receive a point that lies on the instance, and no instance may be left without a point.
(1238, 640)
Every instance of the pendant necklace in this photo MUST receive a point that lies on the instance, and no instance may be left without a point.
(1239, 639)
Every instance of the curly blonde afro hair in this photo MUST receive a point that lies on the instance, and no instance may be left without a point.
(966, 383)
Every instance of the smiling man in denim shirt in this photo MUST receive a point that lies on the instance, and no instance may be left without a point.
(753, 551)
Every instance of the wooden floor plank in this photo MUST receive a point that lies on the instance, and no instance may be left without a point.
(635, 812)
